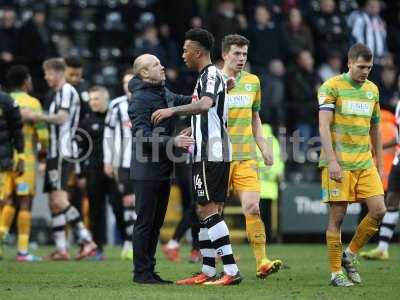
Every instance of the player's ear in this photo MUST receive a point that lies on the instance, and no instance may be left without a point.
(224, 55)
(349, 63)
(144, 73)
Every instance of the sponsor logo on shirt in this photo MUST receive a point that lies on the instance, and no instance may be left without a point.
(359, 108)
(239, 101)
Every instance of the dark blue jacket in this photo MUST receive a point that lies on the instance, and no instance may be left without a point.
(11, 136)
(151, 143)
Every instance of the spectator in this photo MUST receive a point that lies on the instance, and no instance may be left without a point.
(264, 39)
(149, 42)
(330, 31)
(302, 86)
(170, 47)
(296, 36)
(273, 87)
(180, 14)
(388, 88)
(369, 28)
(8, 40)
(223, 21)
(36, 45)
(332, 66)
(394, 29)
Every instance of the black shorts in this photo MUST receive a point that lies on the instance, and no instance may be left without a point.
(58, 174)
(124, 181)
(210, 182)
(394, 179)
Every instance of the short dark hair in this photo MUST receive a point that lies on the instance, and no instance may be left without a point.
(201, 36)
(74, 62)
(359, 50)
(233, 39)
(101, 89)
(56, 64)
(16, 76)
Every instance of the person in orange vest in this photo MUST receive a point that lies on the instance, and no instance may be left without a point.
(391, 184)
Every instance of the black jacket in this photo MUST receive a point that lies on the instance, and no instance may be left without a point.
(147, 138)
(91, 145)
(11, 137)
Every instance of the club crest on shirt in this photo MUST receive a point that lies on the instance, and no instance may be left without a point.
(369, 95)
(248, 87)
(334, 192)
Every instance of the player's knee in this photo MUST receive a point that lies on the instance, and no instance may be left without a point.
(204, 211)
(335, 224)
(25, 204)
(252, 208)
(380, 212)
(58, 203)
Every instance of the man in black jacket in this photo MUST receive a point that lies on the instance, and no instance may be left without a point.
(11, 138)
(152, 160)
(98, 185)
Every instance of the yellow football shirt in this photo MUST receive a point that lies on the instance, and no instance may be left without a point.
(355, 107)
(243, 100)
(34, 132)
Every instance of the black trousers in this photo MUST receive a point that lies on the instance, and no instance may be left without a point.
(151, 206)
(183, 177)
(100, 188)
(266, 217)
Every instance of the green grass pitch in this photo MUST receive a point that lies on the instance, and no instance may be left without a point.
(305, 278)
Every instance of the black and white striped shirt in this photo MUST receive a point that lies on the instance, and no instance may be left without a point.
(210, 128)
(117, 141)
(369, 30)
(62, 143)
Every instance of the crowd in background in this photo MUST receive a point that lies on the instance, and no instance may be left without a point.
(294, 45)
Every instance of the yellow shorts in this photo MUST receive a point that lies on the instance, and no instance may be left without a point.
(356, 185)
(244, 176)
(24, 185)
(6, 184)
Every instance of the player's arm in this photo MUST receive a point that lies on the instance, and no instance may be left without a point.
(59, 118)
(376, 138)
(198, 107)
(325, 121)
(266, 150)
(327, 95)
(177, 99)
(265, 146)
(149, 136)
(108, 142)
(207, 100)
(42, 134)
